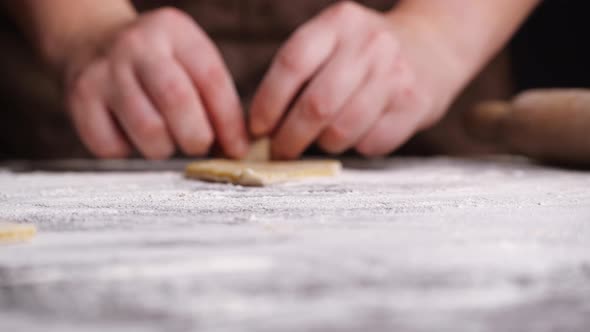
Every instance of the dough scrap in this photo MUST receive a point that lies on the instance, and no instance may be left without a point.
(261, 173)
(259, 151)
(10, 232)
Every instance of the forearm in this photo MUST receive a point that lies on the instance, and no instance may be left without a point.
(58, 27)
(468, 33)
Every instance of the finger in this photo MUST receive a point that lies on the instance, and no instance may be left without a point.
(369, 102)
(173, 93)
(97, 129)
(393, 129)
(140, 120)
(302, 56)
(209, 74)
(320, 102)
(358, 115)
(402, 118)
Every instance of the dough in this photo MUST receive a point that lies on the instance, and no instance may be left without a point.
(259, 151)
(261, 173)
(258, 170)
(10, 232)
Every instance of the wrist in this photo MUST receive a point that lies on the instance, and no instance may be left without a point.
(81, 38)
(438, 67)
(462, 46)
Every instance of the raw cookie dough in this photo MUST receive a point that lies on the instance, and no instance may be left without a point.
(261, 173)
(10, 233)
(258, 170)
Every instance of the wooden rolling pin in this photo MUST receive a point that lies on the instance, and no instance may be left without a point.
(551, 125)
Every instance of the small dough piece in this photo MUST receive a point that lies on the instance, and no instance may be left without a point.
(261, 173)
(10, 232)
(259, 151)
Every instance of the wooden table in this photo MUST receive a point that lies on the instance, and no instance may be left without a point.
(494, 244)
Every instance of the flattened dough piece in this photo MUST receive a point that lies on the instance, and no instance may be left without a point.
(261, 173)
(10, 233)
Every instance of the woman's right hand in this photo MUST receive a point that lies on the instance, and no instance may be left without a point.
(154, 84)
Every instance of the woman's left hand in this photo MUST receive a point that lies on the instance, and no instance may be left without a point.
(347, 79)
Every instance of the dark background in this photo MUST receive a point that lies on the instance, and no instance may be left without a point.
(552, 49)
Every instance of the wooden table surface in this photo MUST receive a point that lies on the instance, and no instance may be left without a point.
(442, 244)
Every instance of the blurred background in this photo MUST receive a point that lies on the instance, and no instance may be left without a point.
(548, 51)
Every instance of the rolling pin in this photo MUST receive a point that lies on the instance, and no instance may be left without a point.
(550, 125)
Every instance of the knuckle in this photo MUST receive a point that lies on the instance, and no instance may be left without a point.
(131, 39)
(174, 92)
(149, 127)
(129, 104)
(345, 10)
(299, 55)
(408, 77)
(389, 66)
(85, 84)
(383, 40)
(215, 75)
(336, 134)
(82, 88)
(405, 73)
(422, 102)
(293, 59)
(410, 94)
(169, 13)
(316, 109)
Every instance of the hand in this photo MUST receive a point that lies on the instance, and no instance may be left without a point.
(359, 85)
(158, 82)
